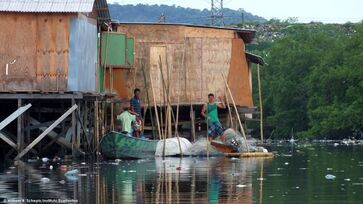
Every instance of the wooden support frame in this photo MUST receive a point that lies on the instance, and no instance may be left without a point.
(9, 119)
(48, 130)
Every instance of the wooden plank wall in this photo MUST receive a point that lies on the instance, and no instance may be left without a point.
(196, 58)
(239, 75)
(41, 43)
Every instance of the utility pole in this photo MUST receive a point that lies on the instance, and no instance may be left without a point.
(217, 16)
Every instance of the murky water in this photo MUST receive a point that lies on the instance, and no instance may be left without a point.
(303, 174)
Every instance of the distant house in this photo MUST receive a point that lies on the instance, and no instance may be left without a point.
(50, 45)
(194, 56)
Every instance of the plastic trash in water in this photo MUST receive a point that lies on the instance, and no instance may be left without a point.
(73, 172)
(330, 177)
(51, 167)
(347, 179)
(241, 186)
(45, 180)
(286, 163)
(45, 159)
(62, 182)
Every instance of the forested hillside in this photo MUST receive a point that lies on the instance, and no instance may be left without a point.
(313, 82)
(175, 14)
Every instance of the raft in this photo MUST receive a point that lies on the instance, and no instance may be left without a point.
(250, 154)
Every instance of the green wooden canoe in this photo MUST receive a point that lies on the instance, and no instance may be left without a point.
(118, 145)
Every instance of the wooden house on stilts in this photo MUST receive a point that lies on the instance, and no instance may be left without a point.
(193, 59)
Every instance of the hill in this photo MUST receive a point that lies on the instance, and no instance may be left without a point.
(176, 14)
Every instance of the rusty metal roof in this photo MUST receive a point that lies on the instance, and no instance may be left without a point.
(255, 58)
(51, 6)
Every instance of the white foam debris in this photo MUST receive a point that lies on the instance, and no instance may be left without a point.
(330, 177)
(241, 186)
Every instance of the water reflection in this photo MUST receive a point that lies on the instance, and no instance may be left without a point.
(175, 180)
(292, 176)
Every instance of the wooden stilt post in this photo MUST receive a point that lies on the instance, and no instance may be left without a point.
(238, 117)
(78, 141)
(260, 100)
(192, 117)
(112, 116)
(20, 135)
(48, 130)
(74, 128)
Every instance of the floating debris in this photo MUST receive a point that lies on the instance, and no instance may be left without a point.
(330, 177)
(51, 167)
(261, 179)
(73, 172)
(329, 169)
(357, 184)
(62, 182)
(45, 180)
(241, 186)
(83, 163)
(286, 163)
(131, 171)
(45, 159)
(347, 179)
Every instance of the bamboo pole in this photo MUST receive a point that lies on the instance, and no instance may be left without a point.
(176, 126)
(238, 117)
(260, 99)
(148, 101)
(261, 183)
(105, 61)
(164, 94)
(155, 105)
(207, 131)
(229, 109)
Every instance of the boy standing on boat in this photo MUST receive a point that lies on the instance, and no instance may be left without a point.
(210, 112)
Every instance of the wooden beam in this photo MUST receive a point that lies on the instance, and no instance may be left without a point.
(7, 140)
(14, 115)
(40, 96)
(48, 130)
(61, 141)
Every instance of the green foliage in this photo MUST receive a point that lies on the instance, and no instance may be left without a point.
(313, 82)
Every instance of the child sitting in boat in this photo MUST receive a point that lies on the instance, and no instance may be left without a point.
(128, 121)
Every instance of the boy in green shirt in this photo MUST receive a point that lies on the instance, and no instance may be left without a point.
(210, 112)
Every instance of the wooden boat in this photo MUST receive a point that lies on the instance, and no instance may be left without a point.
(119, 145)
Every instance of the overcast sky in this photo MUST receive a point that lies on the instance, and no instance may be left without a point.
(328, 11)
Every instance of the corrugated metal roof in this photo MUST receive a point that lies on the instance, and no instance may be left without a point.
(71, 6)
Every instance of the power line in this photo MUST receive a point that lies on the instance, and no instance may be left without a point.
(217, 12)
